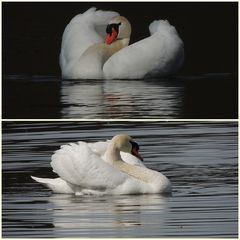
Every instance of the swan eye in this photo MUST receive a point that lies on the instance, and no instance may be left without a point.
(112, 26)
(134, 145)
(135, 149)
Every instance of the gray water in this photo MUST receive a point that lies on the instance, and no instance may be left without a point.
(200, 159)
(209, 96)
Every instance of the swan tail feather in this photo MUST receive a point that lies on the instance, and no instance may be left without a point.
(57, 185)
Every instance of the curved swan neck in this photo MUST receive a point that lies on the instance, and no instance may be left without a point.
(124, 41)
(112, 154)
(118, 45)
(113, 157)
(138, 172)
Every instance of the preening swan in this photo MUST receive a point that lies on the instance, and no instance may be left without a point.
(112, 167)
(87, 53)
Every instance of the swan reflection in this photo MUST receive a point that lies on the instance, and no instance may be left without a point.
(120, 99)
(101, 213)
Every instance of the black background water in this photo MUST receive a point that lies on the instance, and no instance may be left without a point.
(200, 159)
(44, 97)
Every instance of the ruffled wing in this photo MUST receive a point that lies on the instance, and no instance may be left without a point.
(99, 147)
(80, 166)
(158, 55)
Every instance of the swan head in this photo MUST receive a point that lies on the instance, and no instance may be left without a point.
(118, 28)
(126, 144)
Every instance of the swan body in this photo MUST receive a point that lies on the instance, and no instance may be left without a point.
(112, 167)
(85, 54)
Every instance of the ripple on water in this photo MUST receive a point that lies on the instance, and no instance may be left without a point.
(199, 158)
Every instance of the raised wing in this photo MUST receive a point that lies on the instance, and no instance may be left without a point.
(79, 165)
(158, 55)
(99, 147)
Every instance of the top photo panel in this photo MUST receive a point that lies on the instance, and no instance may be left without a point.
(120, 60)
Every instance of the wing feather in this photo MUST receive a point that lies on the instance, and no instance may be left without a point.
(79, 165)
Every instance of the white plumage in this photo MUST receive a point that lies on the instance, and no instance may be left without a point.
(96, 168)
(160, 54)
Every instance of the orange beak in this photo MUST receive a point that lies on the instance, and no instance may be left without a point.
(111, 37)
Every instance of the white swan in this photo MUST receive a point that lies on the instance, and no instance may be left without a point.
(86, 53)
(100, 169)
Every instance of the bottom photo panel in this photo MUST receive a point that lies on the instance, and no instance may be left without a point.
(119, 179)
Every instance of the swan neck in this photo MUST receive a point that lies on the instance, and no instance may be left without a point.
(113, 154)
(113, 157)
(118, 45)
(125, 42)
(140, 173)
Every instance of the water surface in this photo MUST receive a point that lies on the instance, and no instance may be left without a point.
(208, 96)
(200, 159)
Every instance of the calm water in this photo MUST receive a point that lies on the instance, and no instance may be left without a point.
(46, 97)
(199, 158)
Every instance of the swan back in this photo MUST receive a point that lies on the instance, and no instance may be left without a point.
(158, 55)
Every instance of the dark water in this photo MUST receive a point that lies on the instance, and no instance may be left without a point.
(199, 158)
(209, 96)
